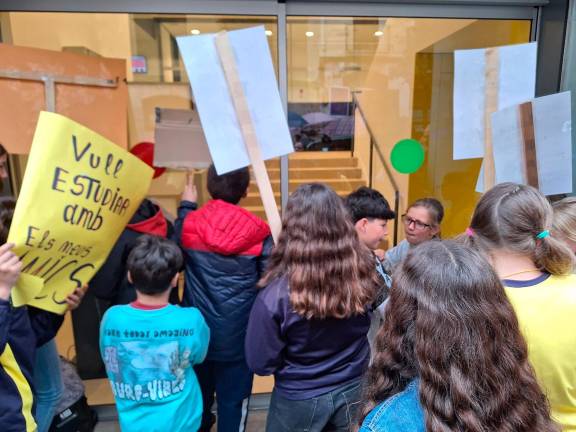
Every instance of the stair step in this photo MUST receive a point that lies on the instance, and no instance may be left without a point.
(339, 185)
(350, 162)
(316, 173)
(253, 199)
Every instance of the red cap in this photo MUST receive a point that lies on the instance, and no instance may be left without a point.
(145, 152)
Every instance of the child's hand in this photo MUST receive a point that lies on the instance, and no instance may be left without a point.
(190, 193)
(380, 253)
(10, 266)
(75, 298)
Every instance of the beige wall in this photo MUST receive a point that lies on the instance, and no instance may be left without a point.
(105, 34)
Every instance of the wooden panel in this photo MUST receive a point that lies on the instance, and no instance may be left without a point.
(103, 110)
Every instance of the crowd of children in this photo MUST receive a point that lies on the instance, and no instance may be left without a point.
(470, 334)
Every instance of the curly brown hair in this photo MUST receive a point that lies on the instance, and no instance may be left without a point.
(450, 323)
(331, 274)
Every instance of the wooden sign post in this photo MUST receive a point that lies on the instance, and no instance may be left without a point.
(530, 165)
(226, 55)
(491, 106)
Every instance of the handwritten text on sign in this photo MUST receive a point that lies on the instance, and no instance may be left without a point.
(79, 192)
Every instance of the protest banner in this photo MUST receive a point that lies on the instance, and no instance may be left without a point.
(235, 89)
(485, 81)
(488, 79)
(179, 140)
(215, 102)
(532, 144)
(78, 193)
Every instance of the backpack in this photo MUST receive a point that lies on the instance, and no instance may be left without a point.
(73, 412)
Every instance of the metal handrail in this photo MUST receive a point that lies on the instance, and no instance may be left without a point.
(374, 145)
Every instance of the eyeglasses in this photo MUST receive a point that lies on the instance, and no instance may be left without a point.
(407, 220)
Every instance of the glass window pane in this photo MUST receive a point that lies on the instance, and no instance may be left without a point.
(156, 78)
(401, 71)
(569, 77)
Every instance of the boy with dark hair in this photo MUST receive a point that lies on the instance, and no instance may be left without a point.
(225, 252)
(370, 214)
(110, 286)
(150, 346)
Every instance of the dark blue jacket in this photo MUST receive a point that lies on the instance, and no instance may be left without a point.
(308, 357)
(21, 331)
(111, 281)
(226, 248)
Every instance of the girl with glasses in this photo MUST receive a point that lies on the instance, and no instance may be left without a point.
(421, 223)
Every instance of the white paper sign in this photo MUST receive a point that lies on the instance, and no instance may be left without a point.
(516, 84)
(552, 133)
(211, 93)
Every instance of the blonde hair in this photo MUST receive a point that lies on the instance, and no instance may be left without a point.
(519, 218)
(564, 222)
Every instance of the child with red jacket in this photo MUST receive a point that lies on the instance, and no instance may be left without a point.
(225, 249)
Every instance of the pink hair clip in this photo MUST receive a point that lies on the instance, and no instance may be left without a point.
(469, 232)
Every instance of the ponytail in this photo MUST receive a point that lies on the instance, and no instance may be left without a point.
(518, 218)
(554, 256)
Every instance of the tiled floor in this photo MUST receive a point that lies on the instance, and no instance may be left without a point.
(256, 417)
(256, 423)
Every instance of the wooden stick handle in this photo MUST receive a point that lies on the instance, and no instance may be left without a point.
(490, 106)
(528, 144)
(242, 109)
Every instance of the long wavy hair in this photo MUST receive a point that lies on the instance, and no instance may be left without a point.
(330, 272)
(510, 216)
(450, 323)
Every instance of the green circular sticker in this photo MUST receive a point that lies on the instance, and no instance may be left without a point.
(407, 156)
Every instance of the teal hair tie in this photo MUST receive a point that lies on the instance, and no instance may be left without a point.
(543, 234)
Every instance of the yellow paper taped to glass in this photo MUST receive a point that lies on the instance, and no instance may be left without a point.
(79, 192)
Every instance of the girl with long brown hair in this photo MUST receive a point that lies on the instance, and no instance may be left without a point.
(450, 356)
(513, 225)
(309, 323)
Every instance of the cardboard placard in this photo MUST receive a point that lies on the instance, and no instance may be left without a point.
(512, 69)
(532, 144)
(179, 140)
(78, 193)
(214, 101)
(248, 132)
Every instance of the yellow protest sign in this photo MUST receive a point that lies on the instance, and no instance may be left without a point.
(79, 192)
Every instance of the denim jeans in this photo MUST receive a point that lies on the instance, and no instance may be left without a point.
(333, 411)
(47, 384)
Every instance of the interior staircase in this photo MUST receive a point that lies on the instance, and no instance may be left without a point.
(338, 170)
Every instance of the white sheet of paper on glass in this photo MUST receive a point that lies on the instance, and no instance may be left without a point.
(469, 84)
(217, 114)
(552, 133)
(507, 147)
(517, 82)
(480, 181)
